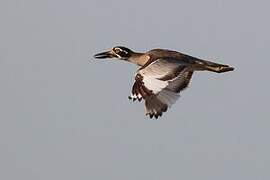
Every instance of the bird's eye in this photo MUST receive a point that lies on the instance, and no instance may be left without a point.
(117, 50)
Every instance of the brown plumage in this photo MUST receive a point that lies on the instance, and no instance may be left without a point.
(162, 76)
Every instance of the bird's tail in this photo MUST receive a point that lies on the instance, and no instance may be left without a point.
(214, 67)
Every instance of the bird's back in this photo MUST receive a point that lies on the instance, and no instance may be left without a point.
(156, 54)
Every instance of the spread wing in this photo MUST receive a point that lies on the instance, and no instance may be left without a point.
(159, 84)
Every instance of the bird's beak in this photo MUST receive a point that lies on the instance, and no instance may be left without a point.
(103, 55)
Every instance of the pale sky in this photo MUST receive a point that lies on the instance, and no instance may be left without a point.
(65, 115)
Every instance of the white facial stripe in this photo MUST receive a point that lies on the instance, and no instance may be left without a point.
(118, 55)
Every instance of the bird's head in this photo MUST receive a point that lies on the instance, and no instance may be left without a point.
(119, 52)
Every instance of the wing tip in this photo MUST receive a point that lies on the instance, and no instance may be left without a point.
(156, 116)
(155, 108)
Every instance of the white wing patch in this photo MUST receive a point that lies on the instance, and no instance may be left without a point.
(159, 84)
(153, 72)
(153, 84)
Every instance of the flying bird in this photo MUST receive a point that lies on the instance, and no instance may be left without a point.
(162, 75)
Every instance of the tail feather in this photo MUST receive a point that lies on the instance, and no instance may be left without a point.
(219, 69)
(215, 67)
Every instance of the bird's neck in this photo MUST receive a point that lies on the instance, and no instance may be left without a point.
(138, 58)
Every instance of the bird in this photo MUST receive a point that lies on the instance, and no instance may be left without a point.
(162, 75)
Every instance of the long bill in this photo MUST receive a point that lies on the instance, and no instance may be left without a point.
(103, 55)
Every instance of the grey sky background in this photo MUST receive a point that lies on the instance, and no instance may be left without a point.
(64, 115)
